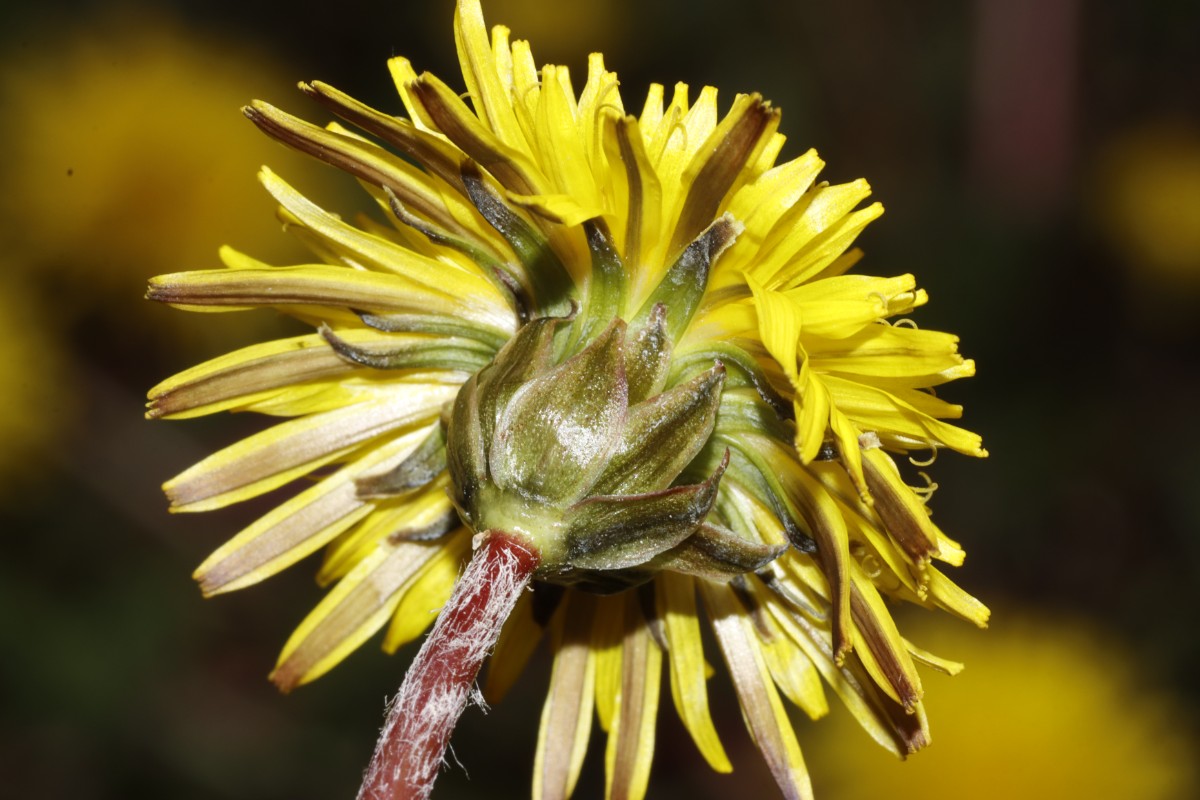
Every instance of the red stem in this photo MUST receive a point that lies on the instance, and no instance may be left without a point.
(438, 684)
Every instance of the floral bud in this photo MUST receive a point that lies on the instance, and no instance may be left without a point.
(556, 454)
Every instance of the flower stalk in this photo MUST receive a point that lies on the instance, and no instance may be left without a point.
(438, 684)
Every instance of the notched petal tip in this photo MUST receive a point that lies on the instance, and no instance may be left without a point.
(213, 580)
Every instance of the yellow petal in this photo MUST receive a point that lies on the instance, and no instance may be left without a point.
(601, 96)
(942, 665)
(300, 526)
(895, 415)
(890, 356)
(502, 56)
(676, 597)
(631, 741)
(817, 255)
(666, 136)
(355, 609)
(560, 147)
(526, 88)
(637, 196)
(813, 410)
(794, 673)
(947, 595)
(403, 75)
(427, 592)
(779, 327)
(278, 455)
(608, 631)
(847, 434)
(819, 209)
(451, 279)
(759, 205)
(391, 518)
(562, 209)
(518, 640)
(488, 92)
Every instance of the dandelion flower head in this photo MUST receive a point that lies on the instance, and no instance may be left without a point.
(622, 348)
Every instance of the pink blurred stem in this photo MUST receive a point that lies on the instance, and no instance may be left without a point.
(438, 684)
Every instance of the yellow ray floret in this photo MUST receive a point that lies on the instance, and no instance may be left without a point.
(547, 278)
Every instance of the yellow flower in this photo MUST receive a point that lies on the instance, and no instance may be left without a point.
(151, 165)
(1147, 202)
(615, 354)
(34, 410)
(1079, 705)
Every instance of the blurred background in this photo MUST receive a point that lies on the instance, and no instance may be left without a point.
(1040, 165)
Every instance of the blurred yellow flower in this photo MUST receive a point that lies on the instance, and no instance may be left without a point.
(1046, 709)
(1148, 201)
(125, 155)
(34, 408)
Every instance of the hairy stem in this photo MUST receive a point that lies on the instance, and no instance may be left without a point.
(438, 684)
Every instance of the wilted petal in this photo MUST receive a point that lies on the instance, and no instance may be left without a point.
(298, 527)
(885, 655)
(631, 739)
(567, 714)
(761, 707)
(356, 608)
(902, 512)
(290, 449)
(719, 165)
(884, 719)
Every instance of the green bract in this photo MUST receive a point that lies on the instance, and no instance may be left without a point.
(573, 455)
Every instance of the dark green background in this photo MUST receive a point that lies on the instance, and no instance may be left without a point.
(981, 126)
